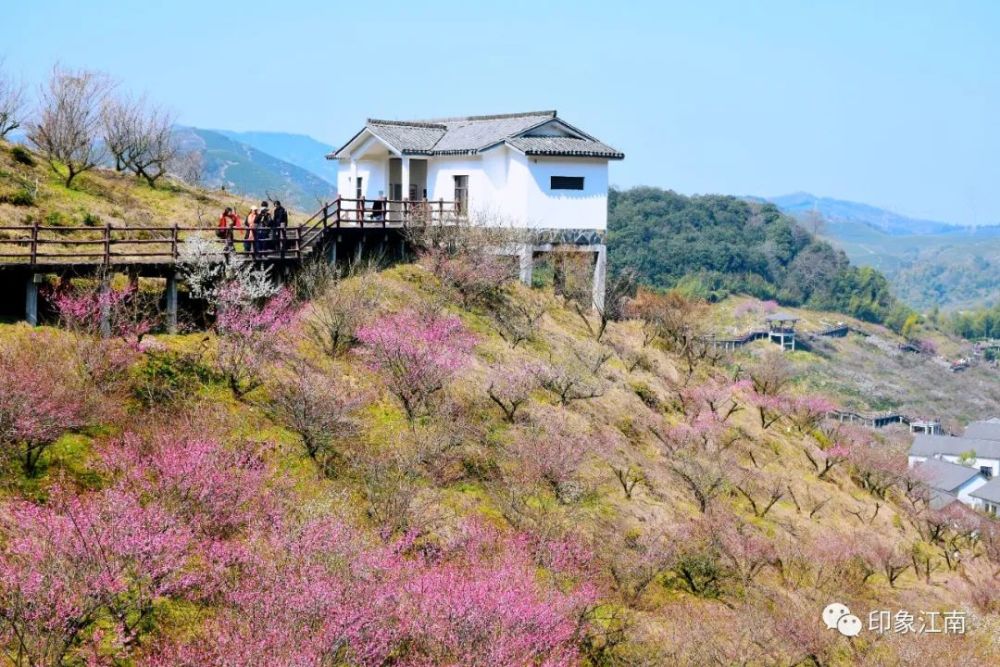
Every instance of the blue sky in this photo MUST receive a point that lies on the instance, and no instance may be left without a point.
(896, 104)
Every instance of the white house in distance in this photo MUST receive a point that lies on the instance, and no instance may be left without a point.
(530, 170)
(973, 457)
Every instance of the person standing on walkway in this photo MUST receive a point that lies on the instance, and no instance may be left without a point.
(248, 233)
(262, 230)
(280, 225)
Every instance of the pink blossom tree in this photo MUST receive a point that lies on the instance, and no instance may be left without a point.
(75, 560)
(770, 377)
(716, 396)
(42, 396)
(105, 310)
(807, 412)
(315, 405)
(250, 336)
(510, 386)
(826, 459)
(417, 354)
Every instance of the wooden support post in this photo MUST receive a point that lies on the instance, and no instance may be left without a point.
(107, 244)
(34, 243)
(526, 256)
(171, 303)
(600, 276)
(31, 299)
(105, 304)
(333, 250)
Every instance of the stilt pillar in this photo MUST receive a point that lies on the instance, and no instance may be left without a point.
(31, 299)
(600, 276)
(526, 255)
(171, 302)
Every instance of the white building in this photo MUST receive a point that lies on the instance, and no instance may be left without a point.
(529, 170)
(950, 482)
(969, 466)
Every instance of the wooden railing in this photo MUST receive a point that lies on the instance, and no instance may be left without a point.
(38, 244)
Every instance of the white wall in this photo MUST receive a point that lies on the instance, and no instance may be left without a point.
(373, 174)
(967, 488)
(506, 185)
(564, 209)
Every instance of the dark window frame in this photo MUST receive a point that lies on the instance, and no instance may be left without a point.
(461, 182)
(566, 183)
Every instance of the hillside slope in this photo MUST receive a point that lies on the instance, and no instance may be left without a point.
(31, 192)
(557, 500)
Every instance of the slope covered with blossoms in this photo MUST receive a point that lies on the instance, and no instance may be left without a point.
(433, 465)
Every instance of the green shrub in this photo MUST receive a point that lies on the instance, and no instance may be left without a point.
(646, 394)
(168, 377)
(22, 197)
(22, 155)
(54, 218)
(91, 219)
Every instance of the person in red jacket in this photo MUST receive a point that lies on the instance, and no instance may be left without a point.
(228, 223)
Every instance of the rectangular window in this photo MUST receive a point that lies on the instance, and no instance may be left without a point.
(566, 183)
(358, 189)
(987, 471)
(461, 193)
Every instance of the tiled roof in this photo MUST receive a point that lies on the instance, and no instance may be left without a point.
(407, 137)
(985, 430)
(944, 476)
(467, 135)
(929, 445)
(564, 146)
(989, 491)
(938, 499)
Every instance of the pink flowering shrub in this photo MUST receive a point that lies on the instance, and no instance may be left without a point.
(318, 593)
(317, 407)
(510, 386)
(41, 396)
(807, 412)
(113, 312)
(716, 396)
(84, 574)
(250, 336)
(77, 559)
(417, 355)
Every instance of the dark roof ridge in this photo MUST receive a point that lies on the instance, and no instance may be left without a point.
(551, 113)
(406, 123)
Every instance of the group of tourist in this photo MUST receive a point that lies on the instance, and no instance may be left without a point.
(261, 232)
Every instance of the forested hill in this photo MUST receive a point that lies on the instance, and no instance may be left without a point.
(714, 245)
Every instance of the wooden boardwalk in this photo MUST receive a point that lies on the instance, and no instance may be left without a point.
(155, 249)
(29, 253)
(883, 419)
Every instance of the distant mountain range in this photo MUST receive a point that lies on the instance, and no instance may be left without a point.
(837, 210)
(245, 168)
(929, 263)
(298, 149)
